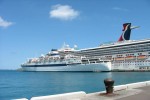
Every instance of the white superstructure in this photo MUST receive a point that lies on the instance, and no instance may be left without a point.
(125, 55)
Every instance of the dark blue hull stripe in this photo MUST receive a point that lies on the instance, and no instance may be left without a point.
(49, 65)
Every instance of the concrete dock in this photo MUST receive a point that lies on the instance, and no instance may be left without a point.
(133, 91)
(142, 93)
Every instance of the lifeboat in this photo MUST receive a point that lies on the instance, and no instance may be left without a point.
(119, 58)
(130, 58)
(141, 57)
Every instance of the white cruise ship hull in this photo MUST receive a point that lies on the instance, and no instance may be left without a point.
(131, 65)
(79, 67)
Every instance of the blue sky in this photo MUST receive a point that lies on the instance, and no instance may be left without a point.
(29, 28)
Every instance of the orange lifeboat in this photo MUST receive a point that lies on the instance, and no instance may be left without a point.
(141, 57)
(130, 57)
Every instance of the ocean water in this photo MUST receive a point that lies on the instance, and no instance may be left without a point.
(15, 84)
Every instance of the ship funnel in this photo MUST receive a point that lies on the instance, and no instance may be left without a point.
(126, 31)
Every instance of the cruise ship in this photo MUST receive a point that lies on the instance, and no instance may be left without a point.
(58, 60)
(123, 55)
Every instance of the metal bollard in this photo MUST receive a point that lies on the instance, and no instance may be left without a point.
(109, 85)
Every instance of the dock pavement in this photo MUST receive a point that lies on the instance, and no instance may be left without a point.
(133, 91)
(141, 93)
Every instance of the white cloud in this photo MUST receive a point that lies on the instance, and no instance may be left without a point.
(4, 23)
(63, 12)
(119, 9)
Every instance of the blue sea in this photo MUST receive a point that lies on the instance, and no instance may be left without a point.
(15, 84)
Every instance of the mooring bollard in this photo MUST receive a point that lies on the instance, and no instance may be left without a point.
(109, 85)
